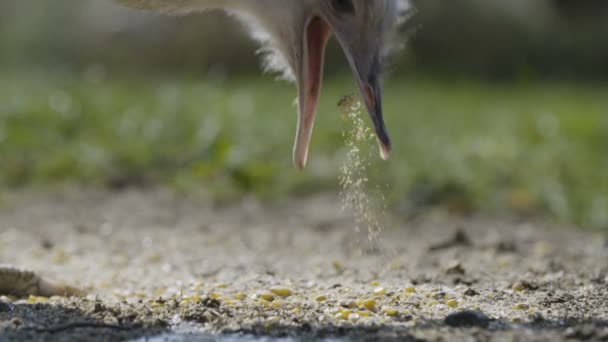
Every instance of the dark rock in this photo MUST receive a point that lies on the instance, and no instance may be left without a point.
(460, 239)
(506, 247)
(524, 285)
(47, 244)
(468, 318)
(455, 268)
(5, 307)
(470, 292)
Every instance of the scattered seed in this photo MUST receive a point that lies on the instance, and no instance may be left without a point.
(379, 291)
(369, 304)
(363, 313)
(409, 290)
(267, 296)
(391, 312)
(343, 314)
(281, 292)
(521, 306)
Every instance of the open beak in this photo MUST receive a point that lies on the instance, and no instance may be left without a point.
(310, 80)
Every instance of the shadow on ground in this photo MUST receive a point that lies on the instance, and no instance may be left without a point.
(44, 322)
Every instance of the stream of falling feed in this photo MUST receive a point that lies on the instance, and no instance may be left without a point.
(354, 173)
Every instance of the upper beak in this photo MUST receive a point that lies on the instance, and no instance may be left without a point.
(371, 90)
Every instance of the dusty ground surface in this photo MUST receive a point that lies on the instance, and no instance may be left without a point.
(157, 263)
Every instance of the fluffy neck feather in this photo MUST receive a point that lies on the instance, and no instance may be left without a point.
(265, 21)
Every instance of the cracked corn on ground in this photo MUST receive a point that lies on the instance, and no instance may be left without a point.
(157, 260)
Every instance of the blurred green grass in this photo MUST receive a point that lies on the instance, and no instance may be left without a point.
(523, 147)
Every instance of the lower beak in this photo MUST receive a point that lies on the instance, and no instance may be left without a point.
(310, 81)
(372, 94)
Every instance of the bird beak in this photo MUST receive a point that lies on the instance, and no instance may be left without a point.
(367, 71)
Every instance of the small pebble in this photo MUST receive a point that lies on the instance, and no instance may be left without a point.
(523, 286)
(4, 307)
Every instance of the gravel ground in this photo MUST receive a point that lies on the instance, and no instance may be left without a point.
(155, 263)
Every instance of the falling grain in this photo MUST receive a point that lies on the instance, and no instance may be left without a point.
(354, 179)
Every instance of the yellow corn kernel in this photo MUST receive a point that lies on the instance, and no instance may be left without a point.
(343, 314)
(221, 286)
(281, 291)
(60, 257)
(391, 312)
(369, 304)
(277, 303)
(379, 291)
(409, 290)
(363, 313)
(267, 296)
(375, 283)
(215, 295)
(229, 302)
(321, 298)
(452, 303)
(264, 302)
(296, 311)
(36, 299)
(240, 296)
(272, 321)
(521, 306)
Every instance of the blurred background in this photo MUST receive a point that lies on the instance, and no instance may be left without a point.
(494, 107)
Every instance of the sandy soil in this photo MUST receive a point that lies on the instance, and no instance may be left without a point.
(158, 263)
